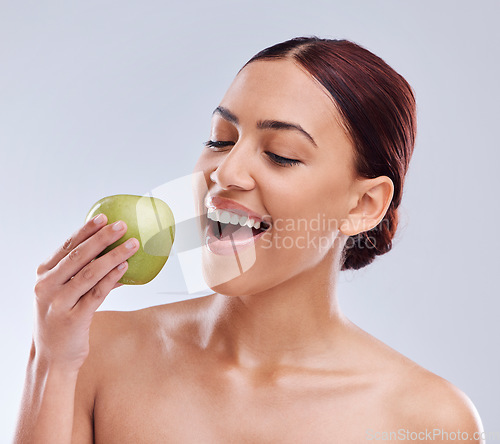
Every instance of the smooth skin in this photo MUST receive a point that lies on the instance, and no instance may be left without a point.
(269, 357)
(70, 286)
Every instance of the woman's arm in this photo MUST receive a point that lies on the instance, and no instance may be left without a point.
(47, 404)
(70, 286)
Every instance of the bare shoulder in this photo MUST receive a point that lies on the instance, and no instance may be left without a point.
(124, 338)
(429, 405)
(415, 399)
(114, 336)
(111, 335)
(119, 336)
(441, 405)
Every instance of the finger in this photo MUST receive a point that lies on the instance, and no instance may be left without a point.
(91, 300)
(85, 252)
(94, 272)
(87, 230)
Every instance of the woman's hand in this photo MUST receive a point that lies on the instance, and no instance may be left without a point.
(70, 286)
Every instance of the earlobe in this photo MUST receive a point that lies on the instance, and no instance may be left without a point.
(371, 203)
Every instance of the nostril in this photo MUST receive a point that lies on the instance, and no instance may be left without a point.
(233, 172)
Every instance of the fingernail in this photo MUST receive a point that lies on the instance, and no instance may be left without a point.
(130, 244)
(98, 219)
(117, 226)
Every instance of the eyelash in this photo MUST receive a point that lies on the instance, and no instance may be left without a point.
(279, 160)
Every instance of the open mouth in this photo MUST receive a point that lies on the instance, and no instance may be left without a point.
(224, 224)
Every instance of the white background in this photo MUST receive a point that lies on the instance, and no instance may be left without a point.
(115, 97)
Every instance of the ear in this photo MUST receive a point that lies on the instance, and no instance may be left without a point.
(368, 206)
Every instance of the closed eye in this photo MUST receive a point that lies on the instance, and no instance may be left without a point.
(279, 160)
(218, 144)
(282, 161)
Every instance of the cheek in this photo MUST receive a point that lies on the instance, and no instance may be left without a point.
(314, 191)
(310, 205)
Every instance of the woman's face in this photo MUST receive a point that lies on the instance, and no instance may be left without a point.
(305, 200)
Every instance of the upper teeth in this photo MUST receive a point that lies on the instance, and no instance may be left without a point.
(231, 218)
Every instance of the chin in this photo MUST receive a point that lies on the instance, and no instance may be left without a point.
(237, 287)
(231, 290)
(229, 275)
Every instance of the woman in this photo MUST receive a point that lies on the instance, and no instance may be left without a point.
(312, 142)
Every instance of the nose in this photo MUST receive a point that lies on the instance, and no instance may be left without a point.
(234, 171)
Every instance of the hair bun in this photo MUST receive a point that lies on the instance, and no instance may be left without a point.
(360, 250)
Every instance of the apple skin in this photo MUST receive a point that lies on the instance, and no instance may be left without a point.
(151, 221)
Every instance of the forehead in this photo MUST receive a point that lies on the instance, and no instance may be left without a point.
(282, 90)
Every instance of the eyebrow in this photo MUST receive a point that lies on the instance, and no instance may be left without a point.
(265, 124)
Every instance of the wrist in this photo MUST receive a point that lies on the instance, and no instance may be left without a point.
(43, 367)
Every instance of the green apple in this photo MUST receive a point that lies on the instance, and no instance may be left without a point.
(151, 221)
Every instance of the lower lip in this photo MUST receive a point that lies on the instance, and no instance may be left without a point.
(231, 246)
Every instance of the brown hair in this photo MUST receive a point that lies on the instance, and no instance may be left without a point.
(378, 109)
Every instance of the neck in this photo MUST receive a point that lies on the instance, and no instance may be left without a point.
(295, 323)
